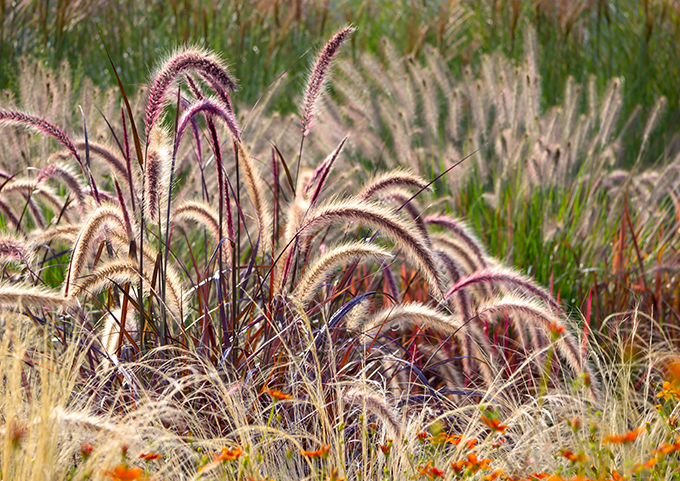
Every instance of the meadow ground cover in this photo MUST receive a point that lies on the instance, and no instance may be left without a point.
(200, 286)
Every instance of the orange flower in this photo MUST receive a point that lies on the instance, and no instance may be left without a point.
(539, 475)
(227, 454)
(652, 461)
(667, 448)
(475, 464)
(669, 391)
(458, 466)
(123, 473)
(86, 450)
(494, 424)
(318, 453)
(499, 443)
(150, 456)
(277, 395)
(430, 471)
(627, 438)
(673, 368)
(422, 436)
(385, 448)
(492, 476)
(556, 330)
(574, 458)
(616, 476)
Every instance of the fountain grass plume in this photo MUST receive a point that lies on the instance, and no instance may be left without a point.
(104, 216)
(10, 117)
(105, 153)
(157, 173)
(65, 175)
(461, 232)
(208, 106)
(319, 77)
(504, 275)
(30, 188)
(183, 61)
(67, 233)
(17, 295)
(119, 272)
(402, 232)
(256, 192)
(10, 216)
(390, 180)
(532, 312)
(317, 273)
(203, 214)
(13, 249)
(464, 304)
(471, 338)
(403, 199)
(376, 405)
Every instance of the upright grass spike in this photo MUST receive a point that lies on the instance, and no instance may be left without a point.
(156, 174)
(111, 334)
(378, 217)
(319, 77)
(316, 85)
(315, 275)
(256, 192)
(184, 61)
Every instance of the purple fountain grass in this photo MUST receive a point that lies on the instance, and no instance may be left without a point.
(60, 172)
(505, 276)
(210, 107)
(319, 77)
(566, 343)
(460, 231)
(106, 154)
(181, 62)
(391, 180)
(13, 249)
(41, 125)
(104, 216)
(378, 217)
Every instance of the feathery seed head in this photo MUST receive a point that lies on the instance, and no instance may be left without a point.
(319, 77)
(183, 61)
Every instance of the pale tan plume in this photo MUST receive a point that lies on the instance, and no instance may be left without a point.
(335, 257)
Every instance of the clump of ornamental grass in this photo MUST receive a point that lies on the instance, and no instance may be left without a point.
(208, 279)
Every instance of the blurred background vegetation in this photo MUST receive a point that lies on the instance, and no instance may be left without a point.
(635, 40)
